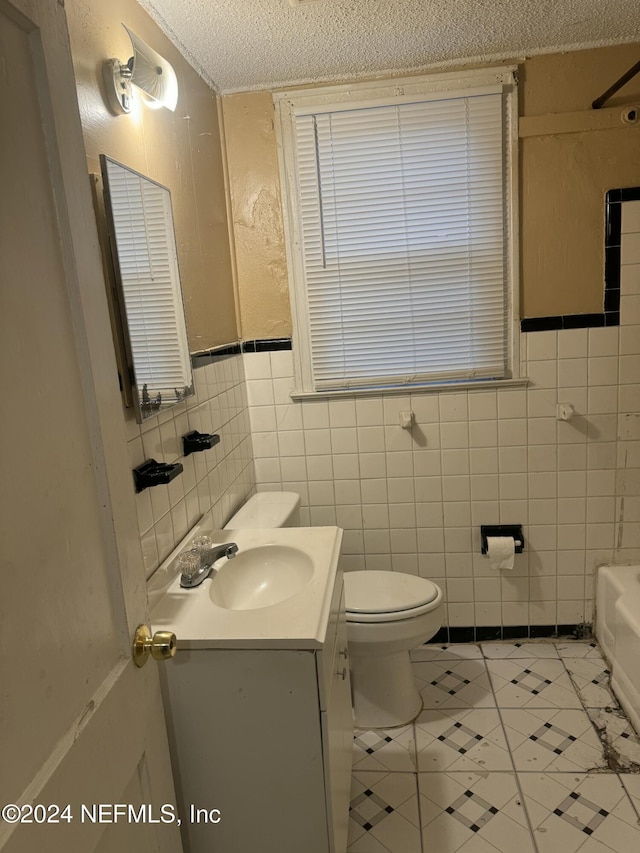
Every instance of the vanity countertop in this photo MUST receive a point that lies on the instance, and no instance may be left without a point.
(297, 622)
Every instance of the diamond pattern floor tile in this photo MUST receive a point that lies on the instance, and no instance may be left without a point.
(591, 679)
(453, 652)
(383, 816)
(524, 649)
(532, 683)
(553, 739)
(450, 776)
(631, 784)
(622, 743)
(571, 812)
(578, 649)
(461, 739)
(473, 811)
(384, 749)
(454, 685)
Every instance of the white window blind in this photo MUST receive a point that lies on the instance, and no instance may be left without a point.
(402, 232)
(149, 275)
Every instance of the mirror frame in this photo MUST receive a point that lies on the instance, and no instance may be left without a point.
(145, 404)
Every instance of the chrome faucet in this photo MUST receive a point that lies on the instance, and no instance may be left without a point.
(201, 563)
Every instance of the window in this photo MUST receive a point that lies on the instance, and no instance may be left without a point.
(399, 228)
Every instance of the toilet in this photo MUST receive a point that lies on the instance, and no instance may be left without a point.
(388, 614)
(267, 509)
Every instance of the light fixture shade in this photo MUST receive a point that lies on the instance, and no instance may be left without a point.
(146, 70)
(151, 73)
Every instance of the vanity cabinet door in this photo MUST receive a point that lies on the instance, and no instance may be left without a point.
(264, 736)
(337, 737)
(245, 737)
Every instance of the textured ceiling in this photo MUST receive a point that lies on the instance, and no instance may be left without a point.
(240, 45)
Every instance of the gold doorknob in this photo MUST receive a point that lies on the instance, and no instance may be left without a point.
(161, 646)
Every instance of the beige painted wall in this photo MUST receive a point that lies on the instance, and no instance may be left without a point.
(563, 180)
(564, 176)
(256, 204)
(181, 150)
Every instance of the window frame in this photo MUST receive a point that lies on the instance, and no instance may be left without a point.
(289, 104)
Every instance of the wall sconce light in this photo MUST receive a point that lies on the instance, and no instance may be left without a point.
(146, 70)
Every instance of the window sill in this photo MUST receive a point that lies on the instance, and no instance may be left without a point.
(431, 388)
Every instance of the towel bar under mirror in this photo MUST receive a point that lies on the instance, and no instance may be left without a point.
(147, 309)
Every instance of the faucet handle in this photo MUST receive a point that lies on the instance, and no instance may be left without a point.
(190, 563)
(201, 544)
(197, 564)
(204, 546)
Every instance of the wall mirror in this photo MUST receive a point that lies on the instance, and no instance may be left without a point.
(148, 292)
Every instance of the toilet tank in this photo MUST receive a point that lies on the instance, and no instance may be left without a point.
(267, 509)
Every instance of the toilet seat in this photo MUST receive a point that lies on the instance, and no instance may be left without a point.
(378, 596)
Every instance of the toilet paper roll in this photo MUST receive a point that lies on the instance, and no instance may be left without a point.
(501, 550)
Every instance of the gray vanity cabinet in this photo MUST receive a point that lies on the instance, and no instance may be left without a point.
(261, 744)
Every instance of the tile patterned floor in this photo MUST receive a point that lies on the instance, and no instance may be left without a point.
(519, 747)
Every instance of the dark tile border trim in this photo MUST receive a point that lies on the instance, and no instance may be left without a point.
(624, 194)
(611, 313)
(484, 634)
(540, 324)
(515, 632)
(267, 345)
(201, 359)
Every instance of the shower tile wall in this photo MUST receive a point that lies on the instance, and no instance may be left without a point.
(414, 501)
(221, 478)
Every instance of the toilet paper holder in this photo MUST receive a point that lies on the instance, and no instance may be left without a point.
(513, 530)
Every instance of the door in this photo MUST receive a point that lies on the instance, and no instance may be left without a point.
(80, 725)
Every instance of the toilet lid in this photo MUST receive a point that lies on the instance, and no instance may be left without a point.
(386, 592)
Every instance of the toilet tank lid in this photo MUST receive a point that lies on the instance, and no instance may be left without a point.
(386, 592)
(265, 509)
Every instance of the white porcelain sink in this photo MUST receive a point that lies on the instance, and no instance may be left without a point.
(259, 577)
(275, 593)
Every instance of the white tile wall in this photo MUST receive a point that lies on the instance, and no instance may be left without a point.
(414, 501)
(221, 477)
(627, 484)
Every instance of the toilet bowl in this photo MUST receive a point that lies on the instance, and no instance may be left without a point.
(388, 613)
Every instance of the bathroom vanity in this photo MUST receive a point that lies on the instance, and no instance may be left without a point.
(258, 708)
